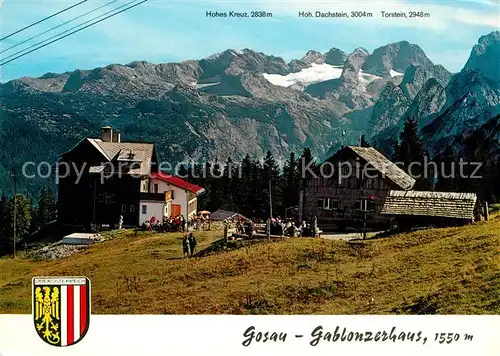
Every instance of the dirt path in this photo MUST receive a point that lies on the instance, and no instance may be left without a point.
(348, 236)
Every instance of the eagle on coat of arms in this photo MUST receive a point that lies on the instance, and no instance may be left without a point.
(47, 319)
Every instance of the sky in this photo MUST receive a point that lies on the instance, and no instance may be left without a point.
(173, 30)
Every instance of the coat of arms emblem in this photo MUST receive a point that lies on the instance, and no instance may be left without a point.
(61, 309)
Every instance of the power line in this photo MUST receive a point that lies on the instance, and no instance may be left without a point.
(42, 20)
(56, 27)
(66, 31)
(69, 34)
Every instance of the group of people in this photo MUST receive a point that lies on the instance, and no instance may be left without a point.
(282, 227)
(245, 228)
(168, 224)
(308, 230)
(289, 228)
(189, 245)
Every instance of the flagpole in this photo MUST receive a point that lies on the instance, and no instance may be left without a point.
(15, 212)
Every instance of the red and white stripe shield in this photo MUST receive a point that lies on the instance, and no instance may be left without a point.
(61, 309)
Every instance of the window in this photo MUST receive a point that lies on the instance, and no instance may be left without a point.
(132, 208)
(328, 204)
(144, 209)
(192, 206)
(124, 208)
(365, 204)
(156, 188)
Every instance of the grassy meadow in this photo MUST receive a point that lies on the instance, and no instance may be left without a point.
(435, 271)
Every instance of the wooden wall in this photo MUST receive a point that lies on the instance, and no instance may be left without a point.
(348, 192)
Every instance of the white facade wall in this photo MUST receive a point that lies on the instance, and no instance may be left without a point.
(153, 208)
(181, 196)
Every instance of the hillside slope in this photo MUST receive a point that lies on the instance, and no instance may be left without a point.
(443, 271)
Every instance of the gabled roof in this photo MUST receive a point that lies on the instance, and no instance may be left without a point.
(178, 182)
(423, 203)
(142, 152)
(382, 164)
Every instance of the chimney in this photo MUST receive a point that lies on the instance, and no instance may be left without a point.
(107, 134)
(116, 136)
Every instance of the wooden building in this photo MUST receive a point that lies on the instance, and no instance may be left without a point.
(350, 188)
(360, 185)
(104, 179)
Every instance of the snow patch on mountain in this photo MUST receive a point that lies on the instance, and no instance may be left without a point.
(314, 74)
(204, 85)
(393, 73)
(366, 78)
(317, 73)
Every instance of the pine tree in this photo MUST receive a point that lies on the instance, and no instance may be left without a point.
(291, 182)
(247, 200)
(448, 172)
(215, 185)
(364, 142)
(23, 219)
(227, 192)
(305, 161)
(182, 171)
(47, 210)
(409, 152)
(271, 176)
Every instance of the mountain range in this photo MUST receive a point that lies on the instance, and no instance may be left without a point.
(245, 102)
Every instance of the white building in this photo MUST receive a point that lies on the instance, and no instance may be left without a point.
(166, 195)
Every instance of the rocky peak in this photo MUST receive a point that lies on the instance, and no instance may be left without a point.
(485, 56)
(313, 57)
(75, 80)
(335, 57)
(353, 64)
(396, 56)
(296, 65)
(232, 62)
(416, 76)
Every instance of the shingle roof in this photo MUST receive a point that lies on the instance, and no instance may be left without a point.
(421, 203)
(114, 150)
(387, 168)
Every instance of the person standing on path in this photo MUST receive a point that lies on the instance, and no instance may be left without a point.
(192, 243)
(185, 246)
(183, 223)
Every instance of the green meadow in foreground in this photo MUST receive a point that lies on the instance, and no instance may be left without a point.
(435, 271)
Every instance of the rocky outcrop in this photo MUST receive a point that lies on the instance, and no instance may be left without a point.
(335, 57)
(484, 57)
(396, 102)
(395, 56)
(305, 62)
